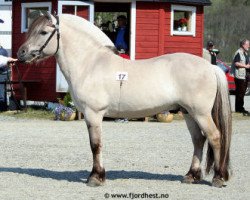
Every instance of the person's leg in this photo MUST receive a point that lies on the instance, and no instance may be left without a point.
(237, 85)
(2, 93)
(244, 88)
(239, 94)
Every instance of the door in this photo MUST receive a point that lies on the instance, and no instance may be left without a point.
(81, 9)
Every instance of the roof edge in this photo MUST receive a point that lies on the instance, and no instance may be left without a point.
(195, 2)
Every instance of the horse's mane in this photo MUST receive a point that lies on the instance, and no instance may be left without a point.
(92, 31)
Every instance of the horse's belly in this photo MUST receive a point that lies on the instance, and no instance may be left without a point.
(138, 113)
(141, 104)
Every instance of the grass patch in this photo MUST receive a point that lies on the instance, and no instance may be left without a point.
(37, 112)
(32, 113)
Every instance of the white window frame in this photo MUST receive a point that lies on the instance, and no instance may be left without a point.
(78, 3)
(32, 5)
(5, 3)
(193, 20)
(132, 29)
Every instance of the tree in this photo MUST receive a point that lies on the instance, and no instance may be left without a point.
(226, 23)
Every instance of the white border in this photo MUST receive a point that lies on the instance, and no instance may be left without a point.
(193, 20)
(78, 3)
(5, 3)
(32, 5)
(61, 83)
(133, 30)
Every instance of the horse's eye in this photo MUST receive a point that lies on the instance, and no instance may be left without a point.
(43, 32)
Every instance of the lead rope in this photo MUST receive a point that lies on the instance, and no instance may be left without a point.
(21, 86)
(11, 89)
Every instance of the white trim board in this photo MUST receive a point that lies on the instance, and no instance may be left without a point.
(31, 5)
(133, 30)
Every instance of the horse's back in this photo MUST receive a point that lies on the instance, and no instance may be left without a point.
(164, 82)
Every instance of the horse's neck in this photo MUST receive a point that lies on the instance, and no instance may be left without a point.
(80, 41)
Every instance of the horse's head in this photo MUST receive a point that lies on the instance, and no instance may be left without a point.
(41, 40)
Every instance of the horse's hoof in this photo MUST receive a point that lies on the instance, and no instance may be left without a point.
(94, 182)
(188, 179)
(217, 182)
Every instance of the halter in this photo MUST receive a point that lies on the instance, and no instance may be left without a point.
(56, 29)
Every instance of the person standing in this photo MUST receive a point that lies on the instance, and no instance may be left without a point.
(239, 69)
(122, 35)
(210, 53)
(5, 62)
(3, 77)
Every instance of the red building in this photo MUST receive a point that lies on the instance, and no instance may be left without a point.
(156, 28)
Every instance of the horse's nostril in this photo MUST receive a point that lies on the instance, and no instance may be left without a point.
(21, 52)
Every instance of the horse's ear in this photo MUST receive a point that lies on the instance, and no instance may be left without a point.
(38, 13)
(47, 15)
(33, 16)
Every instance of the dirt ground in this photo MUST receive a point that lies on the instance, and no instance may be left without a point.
(44, 159)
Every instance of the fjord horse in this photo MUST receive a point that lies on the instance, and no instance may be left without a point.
(103, 84)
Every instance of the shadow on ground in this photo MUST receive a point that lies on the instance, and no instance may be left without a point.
(81, 176)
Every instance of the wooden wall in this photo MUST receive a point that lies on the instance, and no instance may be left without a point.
(44, 71)
(153, 36)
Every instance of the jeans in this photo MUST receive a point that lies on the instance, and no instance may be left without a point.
(241, 86)
(3, 103)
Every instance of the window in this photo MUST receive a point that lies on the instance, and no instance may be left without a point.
(28, 8)
(5, 2)
(183, 20)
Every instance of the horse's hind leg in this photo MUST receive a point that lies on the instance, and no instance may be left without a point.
(194, 174)
(94, 123)
(213, 135)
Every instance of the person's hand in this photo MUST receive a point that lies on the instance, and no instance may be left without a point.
(11, 61)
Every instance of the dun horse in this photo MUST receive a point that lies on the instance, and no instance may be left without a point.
(103, 84)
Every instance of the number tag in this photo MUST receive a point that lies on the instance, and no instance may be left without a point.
(121, 76)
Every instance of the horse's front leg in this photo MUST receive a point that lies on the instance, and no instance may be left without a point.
(94, 124)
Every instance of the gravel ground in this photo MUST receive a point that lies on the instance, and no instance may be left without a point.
(52, 160)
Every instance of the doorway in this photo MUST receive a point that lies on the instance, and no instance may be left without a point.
(107, 16)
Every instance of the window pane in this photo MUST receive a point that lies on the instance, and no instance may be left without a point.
(83, 11)
(68, 9)
(29, 17)
(182, 20)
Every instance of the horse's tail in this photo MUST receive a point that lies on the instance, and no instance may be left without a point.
(222, 117)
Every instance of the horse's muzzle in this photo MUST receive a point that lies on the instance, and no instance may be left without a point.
(24, 55)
